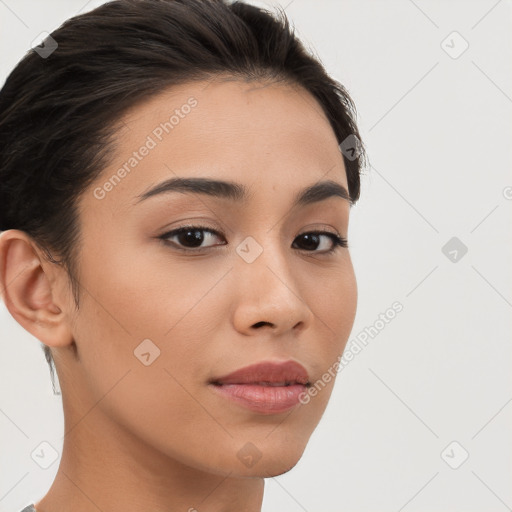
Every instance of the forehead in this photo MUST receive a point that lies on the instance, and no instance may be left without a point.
(228, 100)
(263, 134)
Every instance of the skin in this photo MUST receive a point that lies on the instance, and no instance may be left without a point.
(155, 437)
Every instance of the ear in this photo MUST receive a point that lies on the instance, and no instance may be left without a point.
(29, 289)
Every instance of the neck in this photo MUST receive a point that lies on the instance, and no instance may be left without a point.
(116, 471)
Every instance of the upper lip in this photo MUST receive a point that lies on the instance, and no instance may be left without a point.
(289, 372)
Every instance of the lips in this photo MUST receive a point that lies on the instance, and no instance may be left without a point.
(267, 373)
(265, 388)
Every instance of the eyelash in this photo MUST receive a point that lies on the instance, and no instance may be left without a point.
(337, 240)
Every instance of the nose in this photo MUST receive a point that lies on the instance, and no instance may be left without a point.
(269, 295)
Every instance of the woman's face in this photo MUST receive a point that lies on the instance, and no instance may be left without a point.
(157, 322)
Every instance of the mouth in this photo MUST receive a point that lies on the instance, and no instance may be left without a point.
(266, 388)
(262, 383)
(267, 373)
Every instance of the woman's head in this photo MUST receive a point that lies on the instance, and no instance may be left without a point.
(141, 97)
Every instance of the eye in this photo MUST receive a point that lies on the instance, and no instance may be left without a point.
(313, 239)
(190, 238)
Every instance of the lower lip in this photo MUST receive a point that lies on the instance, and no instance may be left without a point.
(262, 399)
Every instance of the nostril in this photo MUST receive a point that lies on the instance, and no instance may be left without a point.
(259, 324)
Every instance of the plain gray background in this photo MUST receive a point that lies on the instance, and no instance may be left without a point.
(431, 387)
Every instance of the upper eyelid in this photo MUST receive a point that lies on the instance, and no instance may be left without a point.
(191, 226)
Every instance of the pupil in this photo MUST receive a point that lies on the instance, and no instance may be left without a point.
(196, 238)
(311, 238)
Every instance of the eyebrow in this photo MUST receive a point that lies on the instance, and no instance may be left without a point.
(237, 192)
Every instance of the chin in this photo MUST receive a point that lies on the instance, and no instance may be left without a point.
(280, 468)
(273, 462)
(260, 470)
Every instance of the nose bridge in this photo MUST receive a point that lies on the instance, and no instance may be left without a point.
(269, 292)
(262, 251)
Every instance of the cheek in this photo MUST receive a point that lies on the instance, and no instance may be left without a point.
(160, 402)
(334, 306)
(347, 302)
(147, 291)
(139, 303)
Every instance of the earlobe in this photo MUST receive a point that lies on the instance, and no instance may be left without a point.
(27, 290)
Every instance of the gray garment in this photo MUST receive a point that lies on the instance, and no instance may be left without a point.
(29, 508)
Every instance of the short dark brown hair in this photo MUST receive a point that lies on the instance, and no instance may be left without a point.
(58, 112)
